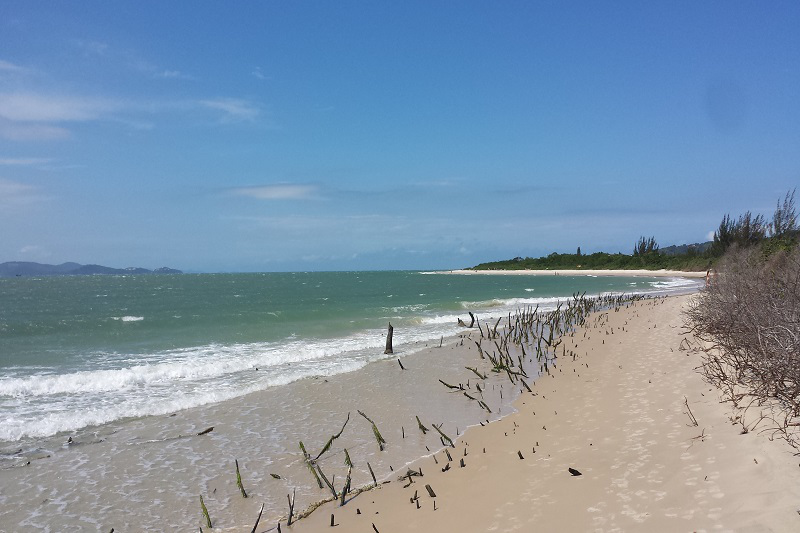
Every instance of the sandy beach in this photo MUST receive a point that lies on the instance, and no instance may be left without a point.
(616, 414)
(616, 273)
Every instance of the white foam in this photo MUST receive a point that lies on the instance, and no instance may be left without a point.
(128, 318)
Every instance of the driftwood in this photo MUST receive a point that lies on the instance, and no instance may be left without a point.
(388, 349)
(258, 519)
(375, 481)
(346, 487)
(205, 512)
(328, 483)
(471, 322)
(459, 387)
(475, 371)
(347, 460)
(239, 479)
(333, 438)
(378, 436)
(291, 507)
(310, 464)
(445, 437)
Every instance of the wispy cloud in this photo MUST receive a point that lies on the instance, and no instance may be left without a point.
(7, 66)
(14, 194)
(278, 192)
(95, 48)
(16, 131)
(33, 107)
(127, 59)
(23, 161)
(257, 73)
(29, 116)
(233, 109)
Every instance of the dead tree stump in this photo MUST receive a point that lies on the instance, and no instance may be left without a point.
(389, 340)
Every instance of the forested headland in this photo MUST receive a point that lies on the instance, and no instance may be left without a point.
(746, 231)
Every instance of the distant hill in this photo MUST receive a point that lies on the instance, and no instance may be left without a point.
(698, 247)
(26, 268)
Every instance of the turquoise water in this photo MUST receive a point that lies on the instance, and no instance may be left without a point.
(78, 351)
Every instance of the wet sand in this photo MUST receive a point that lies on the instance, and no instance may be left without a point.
(616, 414)
(147, 474)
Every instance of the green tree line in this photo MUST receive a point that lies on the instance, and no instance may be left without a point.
(747, 230)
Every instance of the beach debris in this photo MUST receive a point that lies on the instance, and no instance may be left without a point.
(239, 479)
(375, 528)
(310, 464)
(574, 472)
(689, 413)
(333, 438)
(430, 491)
(471, 323)
(519, 452)
(276, 476)
(445, 437)
(452, 387)
(291, 507)
(258, 519)
(375, 481)
(378, 437)
(206, 431)
(422, 428)
(409, 475)
(388, 349)
(347, 461)
(333, 520)
(399, 362)
(475, 371)
(346, 487)
(328, 483)
(205, 512)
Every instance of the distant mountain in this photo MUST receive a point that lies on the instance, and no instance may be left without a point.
(26, 268)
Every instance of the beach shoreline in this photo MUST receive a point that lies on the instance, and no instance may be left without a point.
(565, 272)
(619, 414)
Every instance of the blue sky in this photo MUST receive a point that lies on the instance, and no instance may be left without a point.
(262, 136)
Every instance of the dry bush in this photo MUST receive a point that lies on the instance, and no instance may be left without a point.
(749, 318)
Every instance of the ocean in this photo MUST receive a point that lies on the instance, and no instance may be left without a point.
(111, 378)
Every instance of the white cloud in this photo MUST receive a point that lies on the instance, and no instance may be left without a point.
(278, 192)
(16, 131)
(23, 161)
(14, 194)
(234, 109)
(32, 107)
(256, 73)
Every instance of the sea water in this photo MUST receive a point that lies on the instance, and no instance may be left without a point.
(105, 379)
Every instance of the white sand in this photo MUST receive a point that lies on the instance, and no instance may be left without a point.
(617, 415)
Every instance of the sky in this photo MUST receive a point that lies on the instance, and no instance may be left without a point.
(358, 135)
